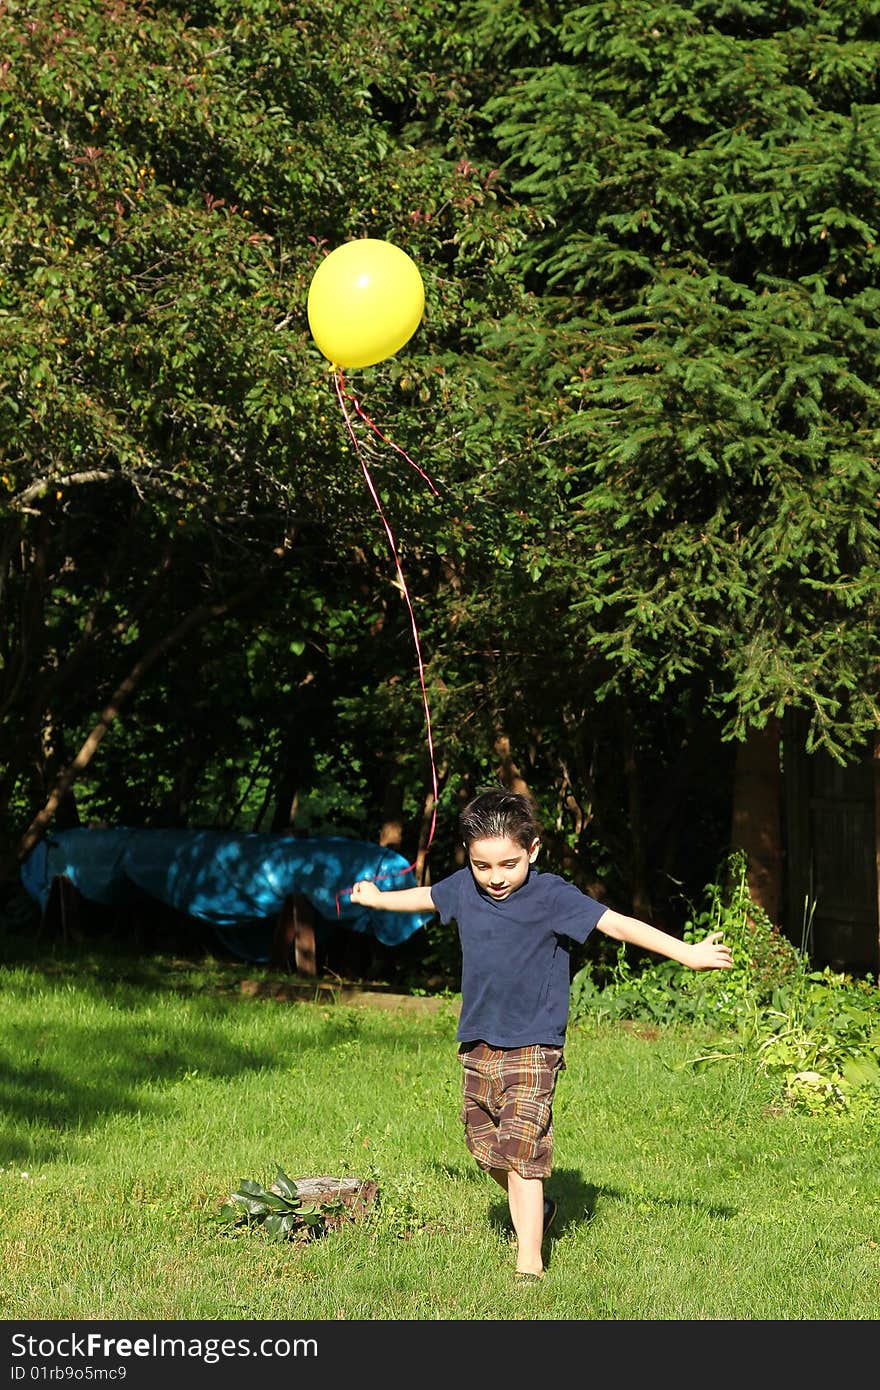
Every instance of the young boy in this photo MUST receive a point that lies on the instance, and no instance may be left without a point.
(515, 925)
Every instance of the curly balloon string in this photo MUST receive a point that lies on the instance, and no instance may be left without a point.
(343, 396)
(342, 393)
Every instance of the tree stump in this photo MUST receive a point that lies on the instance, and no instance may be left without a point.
(355, 1196)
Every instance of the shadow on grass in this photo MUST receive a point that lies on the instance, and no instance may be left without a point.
(61, 1077)
(579, 1200)
(110, 964)
(105, 1069)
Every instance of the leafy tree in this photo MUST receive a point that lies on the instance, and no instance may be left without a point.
(701, 349)
(172, 450)
(644, 386)
(706, 179)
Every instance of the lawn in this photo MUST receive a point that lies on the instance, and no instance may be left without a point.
(136, 1096)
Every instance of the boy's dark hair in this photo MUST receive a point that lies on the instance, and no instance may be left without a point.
(500, 814)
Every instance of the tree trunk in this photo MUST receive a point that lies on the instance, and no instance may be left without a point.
(508, 771)
(348, 1199)
(49, 684)
(391, 829)
(510, 775)
(31, 631)
(756, 820)
(421, 861)
(126, 688)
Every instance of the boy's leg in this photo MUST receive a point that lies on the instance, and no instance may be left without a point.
(525, 1197)
(508, 1117)
(526, 1138)
(500, 1176)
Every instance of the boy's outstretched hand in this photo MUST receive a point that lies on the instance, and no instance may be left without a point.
(710, 954)
(366, 893)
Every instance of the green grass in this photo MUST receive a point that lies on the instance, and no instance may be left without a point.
(134, 1099)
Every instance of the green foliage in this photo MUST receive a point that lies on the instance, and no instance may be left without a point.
(818, 1039)
(645, 385)
(171, 444)
(817, 1033)
(278, 1209)
(822, 1039)
(763, 959)
(707, 245)
(665, 992)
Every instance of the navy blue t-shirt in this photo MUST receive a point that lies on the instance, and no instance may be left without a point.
(515, 979)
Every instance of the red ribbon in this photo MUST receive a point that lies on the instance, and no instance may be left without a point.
(343, 396)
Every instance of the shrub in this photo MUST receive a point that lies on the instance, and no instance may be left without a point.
(817, 1031)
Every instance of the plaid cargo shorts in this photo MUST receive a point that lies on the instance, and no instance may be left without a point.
(507, 1111)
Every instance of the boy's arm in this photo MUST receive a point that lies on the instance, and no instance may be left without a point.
(397, 900)
(708, 954)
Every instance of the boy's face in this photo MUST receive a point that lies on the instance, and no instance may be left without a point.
(500, 866)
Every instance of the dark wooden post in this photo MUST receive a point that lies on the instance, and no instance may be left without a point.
(296, 929)
(756, 826)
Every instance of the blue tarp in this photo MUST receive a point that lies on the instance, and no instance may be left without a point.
(237, 882)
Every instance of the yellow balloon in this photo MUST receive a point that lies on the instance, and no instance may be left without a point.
(365, 301)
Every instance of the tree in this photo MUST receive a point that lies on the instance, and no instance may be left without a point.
(180, 498)
(703, 264)
(644, 385)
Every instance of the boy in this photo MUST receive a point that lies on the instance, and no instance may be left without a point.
(515, 925)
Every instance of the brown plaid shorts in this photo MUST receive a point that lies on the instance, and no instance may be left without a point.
(507, 1111)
